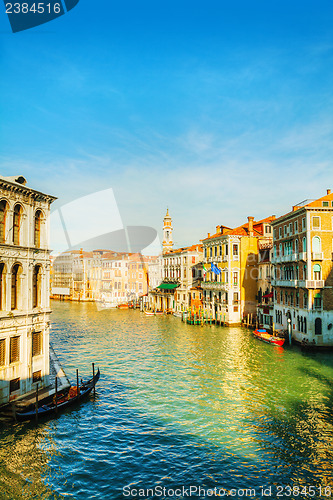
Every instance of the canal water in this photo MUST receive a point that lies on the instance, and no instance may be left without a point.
(177, 406)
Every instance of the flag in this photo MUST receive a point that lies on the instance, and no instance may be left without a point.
(215, 269)
(204, 269)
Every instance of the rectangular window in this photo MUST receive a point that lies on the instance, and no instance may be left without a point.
(325, 203)
(317, 301)
(303, 223)
(37, 376)
(235, 250)
(305, 300)
(14, 385)
(14, 349)
(36, 343)
(296, 226)
(235, 278)
(316, 222)
(280, 232)
(285, 230)
(2, 352)
(291, 228)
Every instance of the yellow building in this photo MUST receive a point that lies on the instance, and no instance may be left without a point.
(229, 294)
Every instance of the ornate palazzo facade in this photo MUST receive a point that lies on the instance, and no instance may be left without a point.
(24, 288)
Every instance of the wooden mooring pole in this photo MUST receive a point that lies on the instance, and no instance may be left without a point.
(77, 382)
(93, 366)
(56, 395)
(36, 403)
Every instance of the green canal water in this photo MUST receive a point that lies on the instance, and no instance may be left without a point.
(176, 406)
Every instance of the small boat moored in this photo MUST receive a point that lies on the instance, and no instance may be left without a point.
(268, 337)
(56, 403)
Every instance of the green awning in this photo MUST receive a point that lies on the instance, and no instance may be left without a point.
(168, 286)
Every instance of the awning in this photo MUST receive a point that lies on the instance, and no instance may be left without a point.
(168, 286)
(268, 295)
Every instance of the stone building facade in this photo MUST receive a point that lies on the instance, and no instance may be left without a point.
(303, 281)
(24, 288)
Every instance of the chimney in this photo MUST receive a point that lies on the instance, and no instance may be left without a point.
(250, 220)
(208, 236)
(328, 191)
(218, 229)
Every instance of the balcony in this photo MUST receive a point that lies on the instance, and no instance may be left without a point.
(314, 284)
(299, 283)
(317, 255)
(302, 256)
(288, 283)
(225, 258)
(214, 285)
(292, 257)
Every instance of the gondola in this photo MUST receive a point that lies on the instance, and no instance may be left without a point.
(51, 406)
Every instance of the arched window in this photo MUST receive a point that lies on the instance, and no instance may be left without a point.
(38, 217)
(36, 280)
(16, 271)
(304, 325)
(17, 224)
(318, 326)
(304, 244)
(3, 212)
(296, 246)
(2, 286)
(317, 272)
(316, 244)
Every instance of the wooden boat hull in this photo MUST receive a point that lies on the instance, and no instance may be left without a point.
(47, 409)
(148, 313)
(122, 306)
(268, 338)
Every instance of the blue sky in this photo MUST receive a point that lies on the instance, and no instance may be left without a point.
(217, 111)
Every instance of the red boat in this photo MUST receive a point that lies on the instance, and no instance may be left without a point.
(268, 337)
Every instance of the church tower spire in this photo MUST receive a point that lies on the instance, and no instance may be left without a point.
(167, 233)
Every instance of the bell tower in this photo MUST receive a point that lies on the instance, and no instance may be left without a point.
(167, 233)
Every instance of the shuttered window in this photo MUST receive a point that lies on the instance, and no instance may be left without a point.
(3, 209)
(2, 352)
(2, 266)
(36, 343)
(36, 287)
(37, 228)
(14, 349)
(17, 224)
(14, 286)
(316, 222)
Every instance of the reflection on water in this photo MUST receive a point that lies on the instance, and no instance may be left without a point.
(176, 405)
